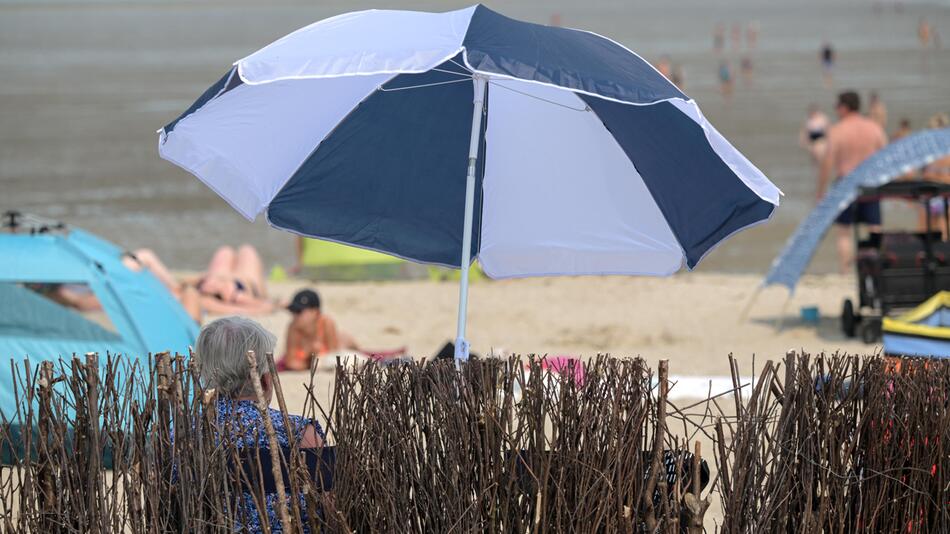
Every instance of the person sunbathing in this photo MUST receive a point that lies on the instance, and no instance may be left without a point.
(233, 282)
(311, 333)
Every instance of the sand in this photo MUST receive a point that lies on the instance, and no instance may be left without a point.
(691, 319)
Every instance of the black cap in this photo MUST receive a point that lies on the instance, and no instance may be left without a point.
(303, 300)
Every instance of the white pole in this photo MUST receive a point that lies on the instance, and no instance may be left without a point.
(481, 87)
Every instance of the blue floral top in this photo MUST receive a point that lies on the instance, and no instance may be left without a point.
(246, 420)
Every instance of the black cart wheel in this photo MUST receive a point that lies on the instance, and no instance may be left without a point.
(849, 321)
(871, 331)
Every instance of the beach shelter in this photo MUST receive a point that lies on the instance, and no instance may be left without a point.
(448, 137)
(139, 315)
(922, 331)
(886, 165)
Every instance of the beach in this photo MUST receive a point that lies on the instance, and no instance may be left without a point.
(87, 84)
(693, 320)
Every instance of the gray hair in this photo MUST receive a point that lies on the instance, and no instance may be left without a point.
(221, 353)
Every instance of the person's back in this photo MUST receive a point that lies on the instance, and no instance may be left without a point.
(852, 140)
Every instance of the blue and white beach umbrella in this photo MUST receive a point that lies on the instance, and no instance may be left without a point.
(445, 137)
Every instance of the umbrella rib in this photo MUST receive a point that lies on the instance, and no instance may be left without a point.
(529, 95)
(385, 90)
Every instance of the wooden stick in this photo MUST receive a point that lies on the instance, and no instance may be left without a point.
(285, 521)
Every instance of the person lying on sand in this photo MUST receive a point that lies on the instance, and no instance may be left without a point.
(314, 333)
(233, 283)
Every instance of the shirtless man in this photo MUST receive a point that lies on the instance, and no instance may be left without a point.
(850, 141)
(311, 333)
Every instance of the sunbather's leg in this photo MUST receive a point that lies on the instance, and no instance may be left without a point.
(149, 260)
(191, 301)
(249, 268)
(222, 263)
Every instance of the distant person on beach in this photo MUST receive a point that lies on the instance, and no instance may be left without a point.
(736, 35)
(222, 362)
(665, 67)
(233, 282)
(923, 33)
(813, 132)
(939, 170)
(725, 80)
(311, 333)
(851, 140)
(877, 111)
(747, 71)
(936, 171)
(827, 56)
(679, 77)
(80, 297)
(903, 129)
(752, 34)
(719, 37)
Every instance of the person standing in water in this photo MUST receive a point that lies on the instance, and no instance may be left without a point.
(877, 111)
(827, 56)
(903, 129)
(851, 140)
(725, 80)
(813, 132)
(719, 37)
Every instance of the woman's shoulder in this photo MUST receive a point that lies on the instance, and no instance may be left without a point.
(248, 416)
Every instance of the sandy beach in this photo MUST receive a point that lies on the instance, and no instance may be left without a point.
(692, 319)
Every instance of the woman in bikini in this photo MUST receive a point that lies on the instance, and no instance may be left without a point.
(812, 135)
(233, 283)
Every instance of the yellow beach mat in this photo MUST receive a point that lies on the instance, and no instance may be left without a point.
(913, 322)
(317, 253)
(326, 260)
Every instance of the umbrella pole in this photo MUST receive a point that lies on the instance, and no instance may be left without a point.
(481, 87)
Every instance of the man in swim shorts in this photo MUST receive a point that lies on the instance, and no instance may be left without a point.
(851, 140)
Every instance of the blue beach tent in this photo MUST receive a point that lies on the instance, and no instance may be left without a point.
(143, 315)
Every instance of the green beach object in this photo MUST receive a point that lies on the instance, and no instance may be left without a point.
(326, 260)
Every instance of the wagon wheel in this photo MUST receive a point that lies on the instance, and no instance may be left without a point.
(849, 321)
(871, 331)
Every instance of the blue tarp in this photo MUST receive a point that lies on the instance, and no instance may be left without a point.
(889, 163)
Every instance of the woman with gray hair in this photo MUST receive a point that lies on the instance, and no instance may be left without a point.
(221, 357)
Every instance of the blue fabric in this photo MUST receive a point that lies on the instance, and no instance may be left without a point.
(901, 156)
(391, 176)
(247, 419)
(861, 212)
(703, 201)
(568, 58)
(211, 92)
(940, 317)
(904, 345)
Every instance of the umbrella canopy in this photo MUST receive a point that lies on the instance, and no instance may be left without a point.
(886, 165)
(145, 316)
(445, 137)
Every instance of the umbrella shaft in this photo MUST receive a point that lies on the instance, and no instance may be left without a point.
(481, 87)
